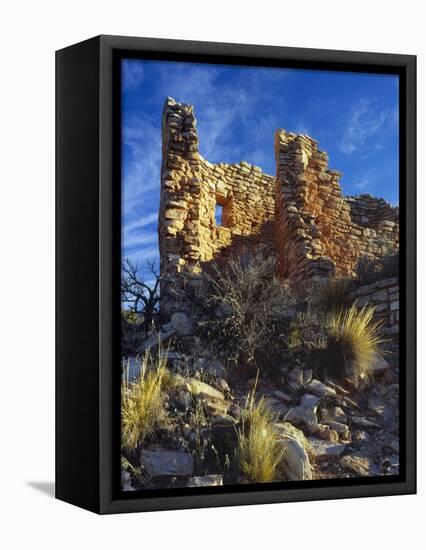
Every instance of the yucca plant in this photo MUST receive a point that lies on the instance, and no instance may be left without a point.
(142, 402)
(352, 343)
(259, 451)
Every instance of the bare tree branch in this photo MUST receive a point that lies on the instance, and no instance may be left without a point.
(141, 297)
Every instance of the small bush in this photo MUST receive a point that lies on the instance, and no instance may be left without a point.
(260, 454)
(243, 310)
(351, 344)
(304, 331)
(142, 402)
(370, 270)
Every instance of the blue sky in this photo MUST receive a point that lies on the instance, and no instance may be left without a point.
(354, 117)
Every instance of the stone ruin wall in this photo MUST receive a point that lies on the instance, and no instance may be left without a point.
(300, 214)
(384, 296)
(317, 230)
(369, 211)
(191, 187)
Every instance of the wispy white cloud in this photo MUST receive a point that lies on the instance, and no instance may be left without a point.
(218, 105)
(365, 120)
(142, 255)
(141, 168)
(141, 223)
(139, 240)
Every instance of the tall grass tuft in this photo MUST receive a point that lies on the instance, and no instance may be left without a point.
(352, 343)
(142, 402)
(333, 295)
(260, 453)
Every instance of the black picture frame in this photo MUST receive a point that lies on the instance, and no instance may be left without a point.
(87, 273)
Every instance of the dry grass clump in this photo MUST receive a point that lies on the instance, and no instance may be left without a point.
(260, 453)
(352, 343)
(142, 402)
(333, 295)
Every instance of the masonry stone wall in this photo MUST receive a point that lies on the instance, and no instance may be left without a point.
(192, 187)
(300, 214)
(317, 234)
(384, 296)
(369, 211)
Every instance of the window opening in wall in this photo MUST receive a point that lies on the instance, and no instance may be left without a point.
(218, 214)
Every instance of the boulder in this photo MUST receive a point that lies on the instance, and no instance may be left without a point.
(305, 417)
(325, 449)
(339, 427)
(296, 461)
(205, 481)
(222, 385)
(326, 433)
(296, 375)
(215, 406)
(319, 389)
(357, 465)
(275, 406)
(126, 482)
(309, 400)
(167, 463)
(198, 388)
(364, 422)
(212, 399)
(283, 396)
(339, 415)
(182, 324)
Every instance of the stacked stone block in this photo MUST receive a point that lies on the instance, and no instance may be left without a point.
(384, 297)
(316, 235)
(376, 213)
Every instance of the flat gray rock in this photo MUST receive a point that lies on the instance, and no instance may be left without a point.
(167, 463)
(309, 400)
(283, 396)
(196, 387)
(325, 449)
(205, 481)
(319, 389)
(305, 416)
(276, 406)
(364, 422)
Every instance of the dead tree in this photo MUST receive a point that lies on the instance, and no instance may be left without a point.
(139, 292)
